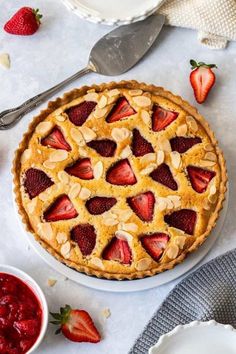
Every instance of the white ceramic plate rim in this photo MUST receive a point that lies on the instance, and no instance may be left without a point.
(165, 337)
(89, 15)
(4, 268)
(131, 285)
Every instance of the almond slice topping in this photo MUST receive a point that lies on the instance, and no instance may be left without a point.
(176, 200)
(100, 112)
(98, 170)
(192, 124)
(83, 152)
(77, 136)
(88, 134)
(32, 205)
(182, 130)
(114, 92)
(175, 159)
(207, 163)
(49, 164)
(164, 145)
(212, 198)
(120, 134)
(45, 230)
(206, 204)
(142, 101)
(160, 157)
(145, 117)
(143, 264)
(63, 177)
(210, 156)
(59, 155)
(148, 169)
(132, 227)
(110, 221)
(180, 241)
(74, 190)
(26, 155)
(126, 152)
(65, 250)
(135, 92)
(172, 251)
(43, 127)
(124, 235)
(212, 189)
(91, 96)
(102, 101)
(97, 262)
(123, 214)
(61, 237)
(208, 147)
(151, 157)
(84, 193)
(61, 117)
(161, 204)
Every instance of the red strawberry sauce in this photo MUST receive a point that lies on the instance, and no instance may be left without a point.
(20, 316)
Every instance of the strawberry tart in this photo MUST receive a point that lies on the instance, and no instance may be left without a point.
(120, 180)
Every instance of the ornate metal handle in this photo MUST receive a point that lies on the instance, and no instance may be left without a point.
(10, 117)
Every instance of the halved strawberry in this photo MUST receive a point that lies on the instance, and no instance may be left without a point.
(182, 143)
(143, 205)
(155, 244)
(121, 109)
(140, 146)
(104, 147)
(56, 140)
(202, 79)
(163, 175)
(76, 325)
(61, 209)
(199, 178)
(121, 173)
(36, 181)
(79, 114)
(161, 118)
(81, 168)
(85, 236)
(118, 250)
(98, 205)
(184, 219)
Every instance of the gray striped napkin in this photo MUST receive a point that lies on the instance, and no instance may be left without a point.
(208, 293)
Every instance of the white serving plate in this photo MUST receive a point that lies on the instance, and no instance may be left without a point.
(197, 338)
(113, 12)
(131, 285)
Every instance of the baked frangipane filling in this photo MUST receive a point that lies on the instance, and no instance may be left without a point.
(120, 180)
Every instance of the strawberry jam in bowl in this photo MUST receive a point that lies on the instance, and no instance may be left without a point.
(23, 312)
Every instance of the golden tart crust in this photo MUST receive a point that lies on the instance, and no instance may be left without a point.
(55, 236)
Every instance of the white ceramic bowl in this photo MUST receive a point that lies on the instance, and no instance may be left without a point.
(197, 338)
(38, 292)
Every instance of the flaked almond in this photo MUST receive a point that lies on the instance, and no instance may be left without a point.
(32, 205)
(169, 204)
(26, 155)
(45, 230)
(51, 282)
(84, 193)
(58, 155)
(126, 152)
(39, 151)
(146, 159)
(109, 214)
(5, 60)
(206, 204)
(114, 92)
(102, 101)
(98, 170)
(65, 250)
(160, 157)
(88, 134)
(97, 262)
(111, 100)
(143, 264)
(207, 163)
(208, 147)
(164, 145)
(145, 117)
(43, 127)
(77, 136)
(63, 177)
(182, 130)
(135, 92)
(44, 196)
(212, 198)
(61, 237)
(49, 164)
(61, 117)
(100, 112)
(210, 156)
(132, 227)
(172, 251)
(123, 214)
(91, 96)
(175, 159)
(192, 124)
(83, 152)
(124, 235)
(110, 221)
(106, 313)
(161, 204)
(142, 101)
(74, 190)
(148, 169)
(176, 200)
(120, 134)
(180, 241)
(212, 189)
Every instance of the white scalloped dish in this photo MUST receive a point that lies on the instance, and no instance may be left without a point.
(198, 338)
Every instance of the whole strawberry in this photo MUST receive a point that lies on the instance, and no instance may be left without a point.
(202, 79)
(25, 22)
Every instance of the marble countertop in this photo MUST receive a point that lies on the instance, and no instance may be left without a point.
(57, 50)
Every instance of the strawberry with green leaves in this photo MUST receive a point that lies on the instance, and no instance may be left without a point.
(202, 79)
(24, 22)
(76, 325)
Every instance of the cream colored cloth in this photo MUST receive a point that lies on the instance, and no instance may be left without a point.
(215, 20)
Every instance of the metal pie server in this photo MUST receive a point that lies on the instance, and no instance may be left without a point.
(113, 54)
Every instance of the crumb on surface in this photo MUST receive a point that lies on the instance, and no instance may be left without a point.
(106, 313)
(51, 282)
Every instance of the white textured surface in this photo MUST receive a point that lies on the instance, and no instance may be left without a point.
(38, 62)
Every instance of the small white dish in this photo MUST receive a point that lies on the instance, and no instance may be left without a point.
(113, 12)
(38, 292)
(197, 338)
